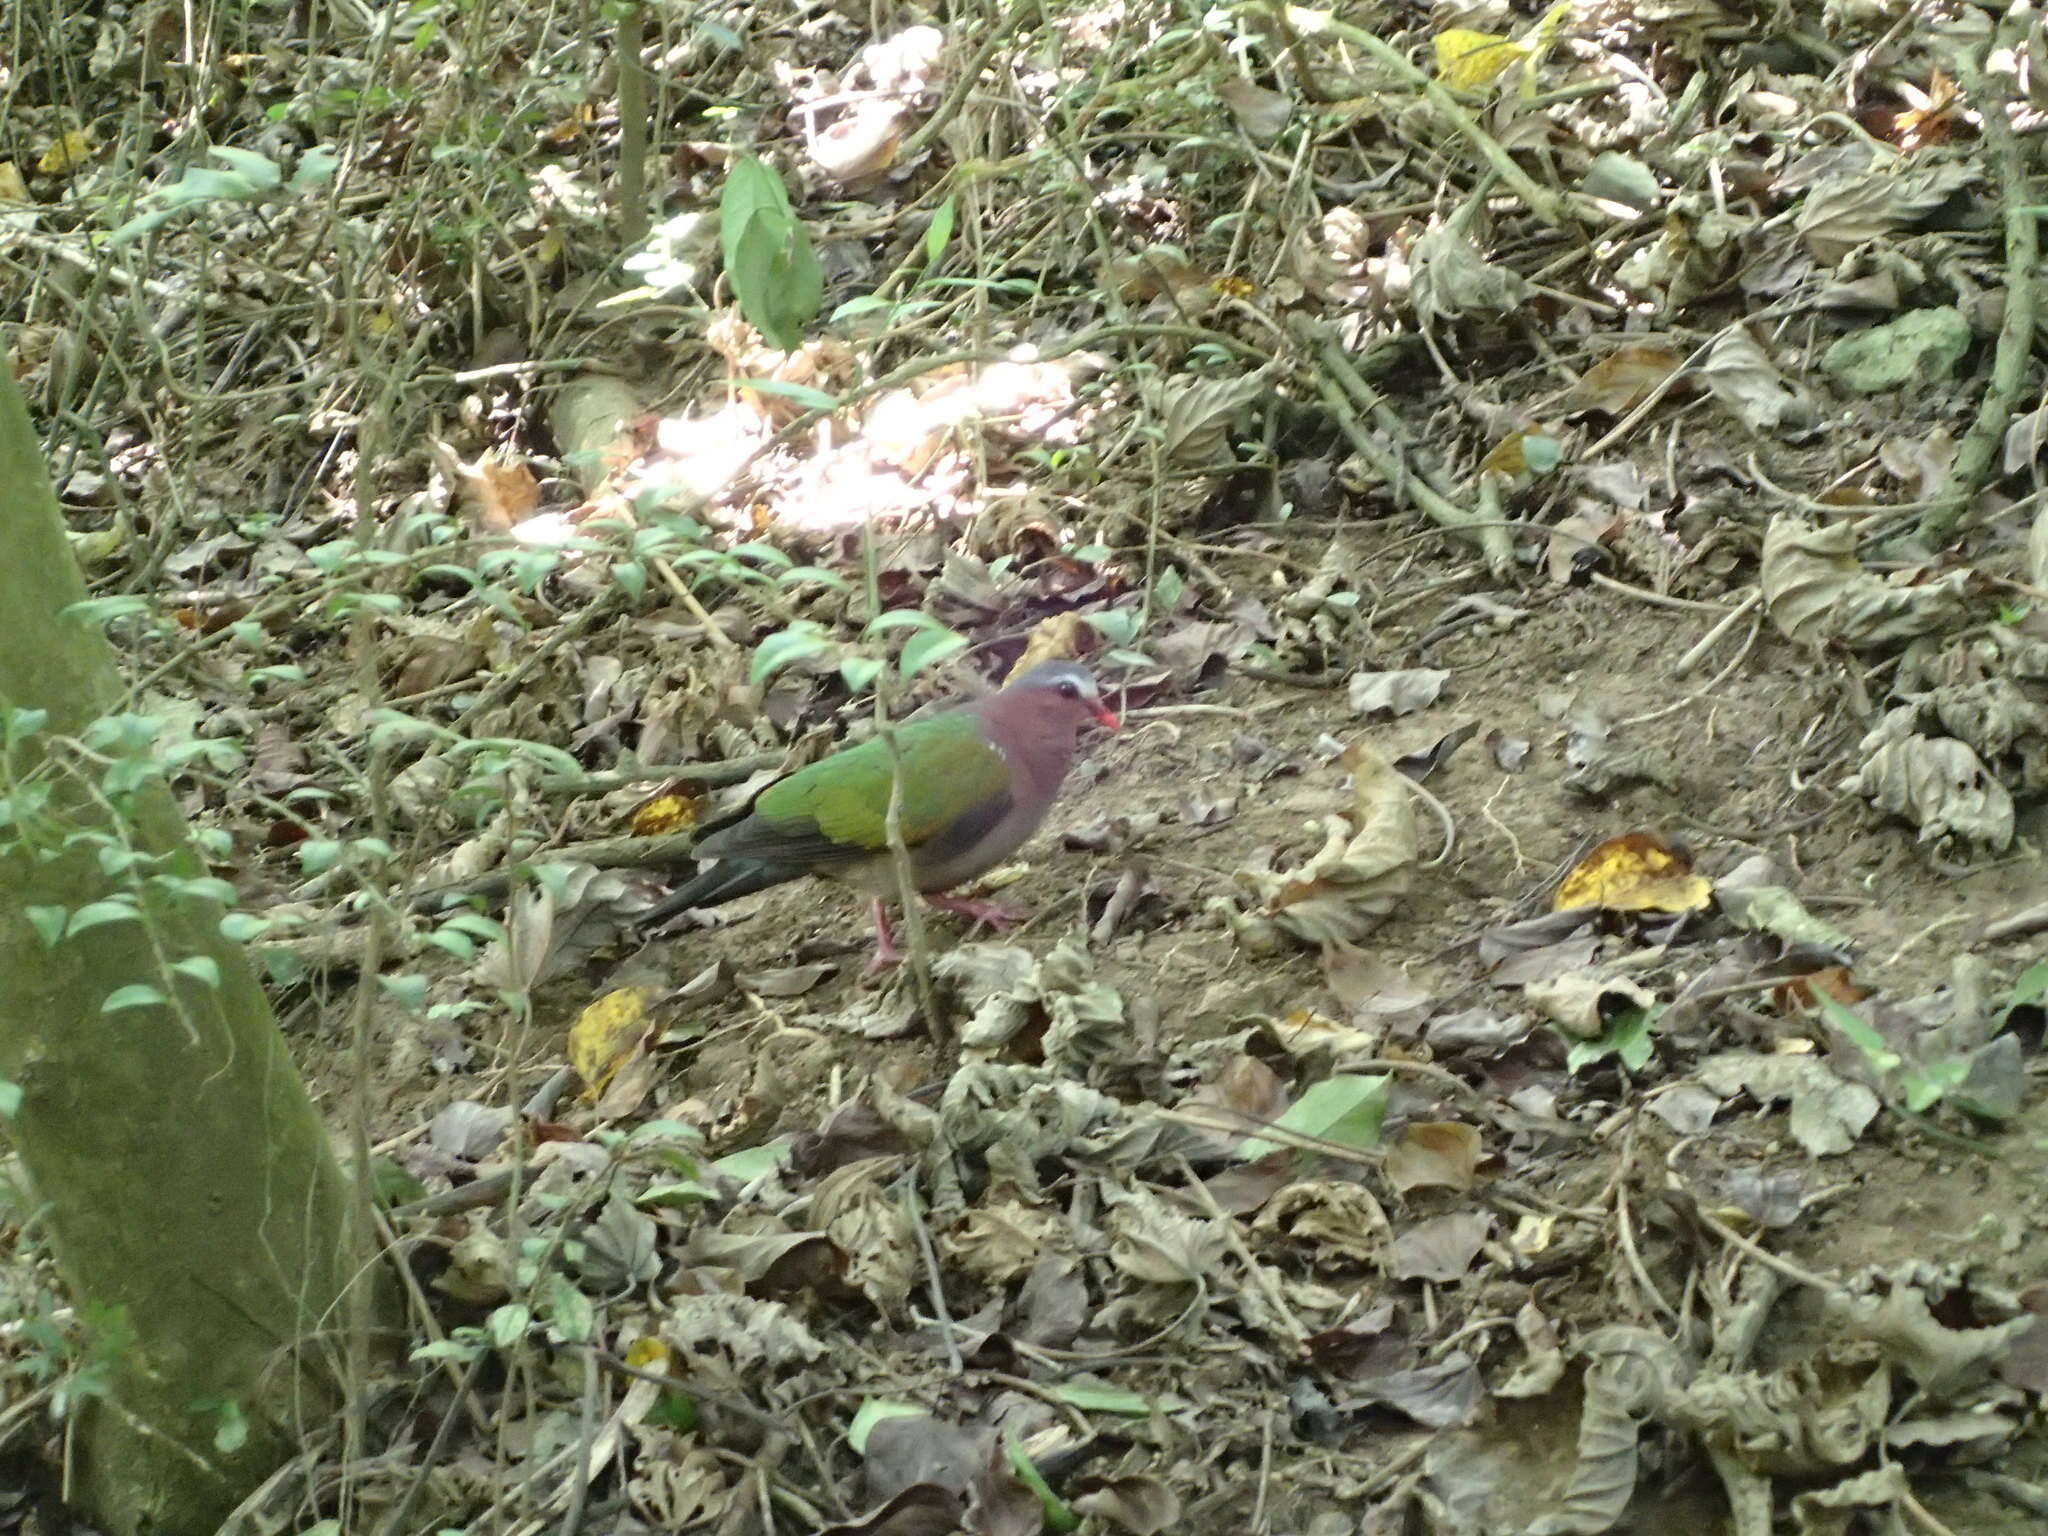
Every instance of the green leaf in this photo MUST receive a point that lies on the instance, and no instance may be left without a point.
(316, 168)
(804, 638)
(241, 927)
(196, 888)
(203, 969)
(1057, 1516)
(873, 1411)
(10, 1099)
(1167, 590)
(134, 995)
(461, 1347)
(1860, 1034)
(24, 723)
(95, 914)
(1926, 1087)
(231, 1432)
(258, 170)
(391, 1184)
(677, 1194)
(752, 1162)
(810, 399)
(631, 577)
(2030, 985)
(1092, 1398)
(104, 610)
(507, 1325)
(797, 575)
(1540, 453)
(861, 304)
(859, 672)
(409, 990)
(48, 923)
(762, 554)
(672, 1410)
(940, 231)
(1346, 1109)
(135, 228)
(769, 261)
(202, 184)
(460, 945)
(900, 618)
(1119, 626)
(927, 648)
(1628, 1038)
(571, 1317)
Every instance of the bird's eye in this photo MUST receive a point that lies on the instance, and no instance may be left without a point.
(1069, 691)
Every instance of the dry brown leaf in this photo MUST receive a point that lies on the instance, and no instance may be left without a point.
(1816, 590)
(1261, 113)
(1063, 637)
(1802, 994)
(1354, 880)
(1624, 378)
(861, 144)
(499, 492)
(1434, 1154)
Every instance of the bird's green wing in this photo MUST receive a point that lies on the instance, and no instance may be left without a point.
(949, 769)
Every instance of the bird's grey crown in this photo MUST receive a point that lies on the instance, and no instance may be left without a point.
(1050, 674)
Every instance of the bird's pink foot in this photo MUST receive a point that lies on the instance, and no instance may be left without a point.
(1001, 919)
(886, 953)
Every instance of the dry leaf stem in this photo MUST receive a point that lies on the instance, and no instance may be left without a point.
(1345, 390)
(1982, 444)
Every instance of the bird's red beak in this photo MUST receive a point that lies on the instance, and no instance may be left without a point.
(1106, 717)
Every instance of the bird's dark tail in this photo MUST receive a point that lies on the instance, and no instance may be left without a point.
(727, 880)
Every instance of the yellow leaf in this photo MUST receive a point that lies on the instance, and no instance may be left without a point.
(1544, 33)
(67, 153)
(1636, 872)
(606, 1033)
(664, 814)
(1466, 60)
(12, 188)
(647, 1354)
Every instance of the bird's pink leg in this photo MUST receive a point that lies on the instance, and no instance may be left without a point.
(886, 952)
(1000, 919)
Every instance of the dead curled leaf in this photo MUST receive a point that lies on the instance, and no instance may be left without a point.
(1349, 885)
(1935, 782)
(1828, 1113)
(1816, 590)
(1742, 377)
(1339, 1223)
(1624, 378)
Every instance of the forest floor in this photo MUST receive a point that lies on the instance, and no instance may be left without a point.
(1615, 428)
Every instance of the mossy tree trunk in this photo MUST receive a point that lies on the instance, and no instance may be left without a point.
(191, 1196)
